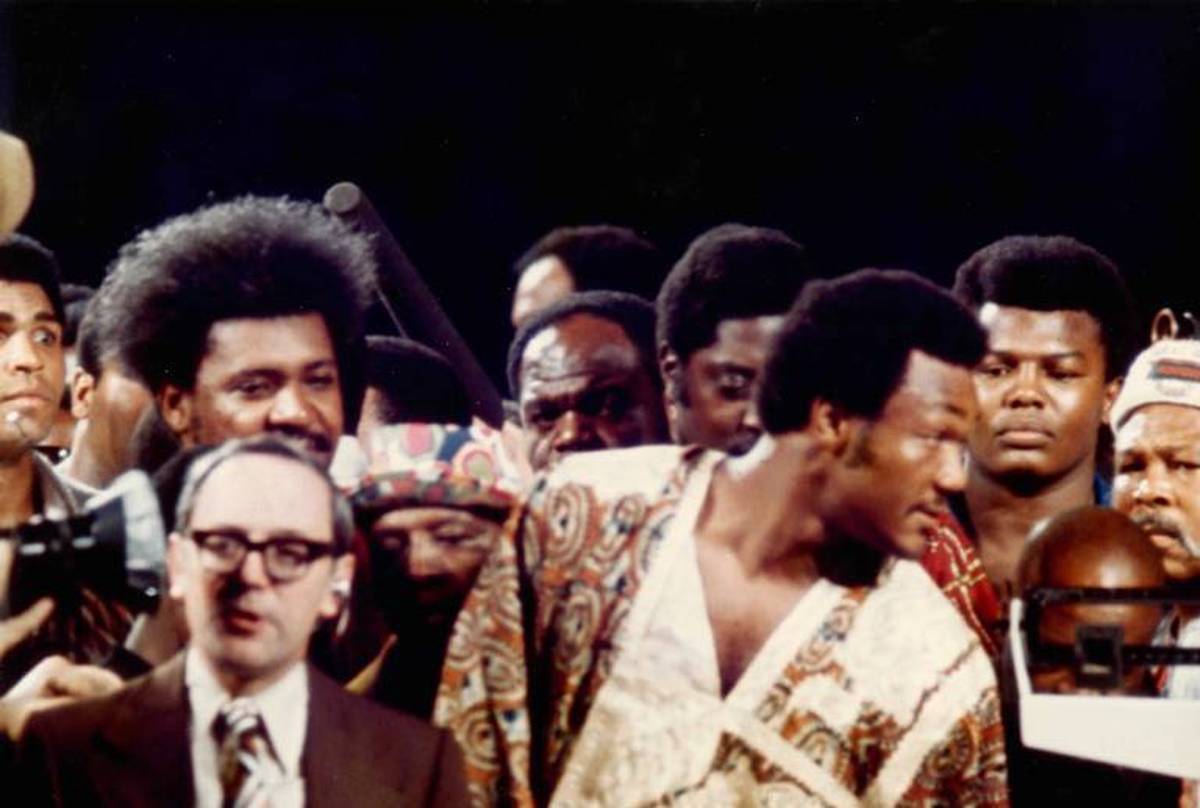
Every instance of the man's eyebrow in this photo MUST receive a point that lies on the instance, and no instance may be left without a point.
(8, 318)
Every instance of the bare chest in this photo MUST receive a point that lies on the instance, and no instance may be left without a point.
(743, 612)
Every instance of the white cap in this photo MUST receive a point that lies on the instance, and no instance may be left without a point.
(1168, 372)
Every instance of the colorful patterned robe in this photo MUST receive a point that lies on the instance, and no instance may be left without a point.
(542, 631)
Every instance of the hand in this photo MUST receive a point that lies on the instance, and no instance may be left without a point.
(51, 682)
(15, 629)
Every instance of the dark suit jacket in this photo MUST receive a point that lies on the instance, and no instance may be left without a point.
(132, 749)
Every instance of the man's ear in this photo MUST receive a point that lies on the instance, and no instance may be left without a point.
(672, 375)
(1110, 397)
(338, 594)
(175, 406)
(176, 565)
(830, 426)
(83, 385)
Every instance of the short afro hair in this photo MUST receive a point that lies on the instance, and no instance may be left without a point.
(601, 256)
(25, 260)
(415, 383)
(253, 257)
(75, 299)
(1054, 273)
(731, 272)
(96, 338)
(633, 314)
(848, 341)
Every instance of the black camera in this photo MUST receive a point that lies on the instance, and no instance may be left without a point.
(115, 549)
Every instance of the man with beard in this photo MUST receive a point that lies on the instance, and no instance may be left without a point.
(1156, 427)
(431, 507)
(670, 624)
(717, 313)
(246, 317)
(1059, 319)
(242, 318)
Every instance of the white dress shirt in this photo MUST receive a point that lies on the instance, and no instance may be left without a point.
(284, 709)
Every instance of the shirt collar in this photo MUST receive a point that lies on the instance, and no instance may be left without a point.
(283, 705)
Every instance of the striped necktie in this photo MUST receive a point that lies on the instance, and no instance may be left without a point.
(247, 764)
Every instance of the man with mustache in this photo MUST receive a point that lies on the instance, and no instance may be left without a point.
(247, 317)
(667, 624)
(717, 313)
(241, 318)
(1156, 424)
(1058, 318)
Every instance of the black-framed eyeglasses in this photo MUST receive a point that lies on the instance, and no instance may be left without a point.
(285, 558)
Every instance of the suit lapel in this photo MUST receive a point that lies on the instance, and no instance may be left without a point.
(336, 768)
(145, 744)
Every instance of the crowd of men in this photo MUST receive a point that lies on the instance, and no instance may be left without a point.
(751, 542)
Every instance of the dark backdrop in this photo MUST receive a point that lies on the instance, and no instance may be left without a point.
(878, 135)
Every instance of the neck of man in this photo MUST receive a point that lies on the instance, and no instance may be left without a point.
(1004, 510)
(759, 506)
(81, 464)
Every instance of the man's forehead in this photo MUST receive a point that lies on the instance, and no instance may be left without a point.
(1018, 330)
(581, 345)
(26, 298)
(937, 385)
(245, 340)
(1157, 424)
(255, 488)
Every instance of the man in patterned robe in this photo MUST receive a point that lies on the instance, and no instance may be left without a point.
(669, 625)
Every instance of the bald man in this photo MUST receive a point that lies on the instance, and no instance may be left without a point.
(1085, 547)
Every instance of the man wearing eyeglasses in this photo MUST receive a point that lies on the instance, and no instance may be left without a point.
(260, 555)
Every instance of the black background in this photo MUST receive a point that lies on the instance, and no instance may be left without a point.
(895, 135)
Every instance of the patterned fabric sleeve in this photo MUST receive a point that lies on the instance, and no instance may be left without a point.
(482, 698)
(969, 768)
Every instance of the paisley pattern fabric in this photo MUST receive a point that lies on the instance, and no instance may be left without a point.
(954, 564)
(550, 685)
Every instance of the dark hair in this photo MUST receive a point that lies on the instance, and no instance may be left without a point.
(633, 314)
(601, 256)
(253, 257)
(75, 299)
(415, 383)
(96, 338)
(200, 467)
(731, 272)
(23, 259)
(1053, 273)
(848, 341)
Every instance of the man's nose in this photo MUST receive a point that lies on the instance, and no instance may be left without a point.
(1025, 387)
(423, 556)
(574, 431)
(253, 569)
(290, 406)
(1154, 488)
(750, 420)
(21, 355)
(952, 468)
